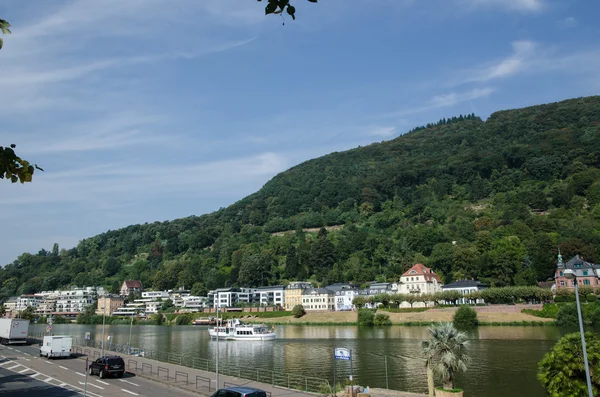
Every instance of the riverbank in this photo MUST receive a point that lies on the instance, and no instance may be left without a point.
(487, 315)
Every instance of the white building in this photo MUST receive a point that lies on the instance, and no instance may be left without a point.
(465, 287)
(194, 303)
(269, 296)
(420, 280)
(25, 301)
(318, 299)
(344, 295)
(155, 295)
(76, 300)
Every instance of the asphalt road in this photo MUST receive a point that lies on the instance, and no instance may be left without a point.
(24, 373)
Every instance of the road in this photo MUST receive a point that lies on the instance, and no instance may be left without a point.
(24, 373)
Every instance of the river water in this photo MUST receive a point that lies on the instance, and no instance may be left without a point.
(503, 359)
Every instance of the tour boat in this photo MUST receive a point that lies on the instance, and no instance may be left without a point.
(234, 329)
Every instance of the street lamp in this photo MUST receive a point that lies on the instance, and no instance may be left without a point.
(104, 320)
(570, 275)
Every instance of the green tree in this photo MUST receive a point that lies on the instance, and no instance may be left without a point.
(506, 257)
(292, 266)
(322, 254)
(465, 317)
(561, 370)
(366, 317)
(446, 353)
(298, 311)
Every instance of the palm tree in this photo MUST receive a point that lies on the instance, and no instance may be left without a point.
(445, 354)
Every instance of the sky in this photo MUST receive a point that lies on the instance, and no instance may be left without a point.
(152, 110)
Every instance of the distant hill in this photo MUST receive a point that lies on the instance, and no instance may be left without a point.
(491, 200)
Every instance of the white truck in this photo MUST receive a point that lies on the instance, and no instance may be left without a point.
(13, 330)
(56, 346)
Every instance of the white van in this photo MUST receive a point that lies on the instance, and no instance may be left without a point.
(56, 346)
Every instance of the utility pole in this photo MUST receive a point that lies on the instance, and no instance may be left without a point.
(103, 320)
(217, 388)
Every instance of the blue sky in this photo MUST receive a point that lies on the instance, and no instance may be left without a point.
(151, 110)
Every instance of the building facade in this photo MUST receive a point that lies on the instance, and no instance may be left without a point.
(130, 286)
(75, 300)
(109, 304)
(420, 279)
(318, 299)
(344, 295)
(269, 296)
(588, 274)
(293, 293)
(465, 287)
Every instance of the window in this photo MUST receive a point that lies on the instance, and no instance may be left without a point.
(585, 272)
(586, 282)
(562, 283)
(561, 273)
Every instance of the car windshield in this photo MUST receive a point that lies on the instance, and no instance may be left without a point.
(115, 361)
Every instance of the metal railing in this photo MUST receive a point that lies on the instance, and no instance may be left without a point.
(261, 375)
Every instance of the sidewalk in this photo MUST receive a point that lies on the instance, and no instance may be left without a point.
(186, 378)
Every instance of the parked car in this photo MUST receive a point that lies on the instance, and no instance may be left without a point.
(107, 366)
(240, 391)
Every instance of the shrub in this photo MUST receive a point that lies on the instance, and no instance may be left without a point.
(549, 310)
(591, 298)
(567, 316)
(561, 371)
(366, 317)
(382, 319)
(465, 317)
(183, 319)
(298, 311)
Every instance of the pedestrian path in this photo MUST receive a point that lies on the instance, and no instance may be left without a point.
(191, 379)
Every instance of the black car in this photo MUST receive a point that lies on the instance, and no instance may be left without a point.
(107, 366)
(239, 391)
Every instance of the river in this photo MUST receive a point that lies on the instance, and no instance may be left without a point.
(503, 359)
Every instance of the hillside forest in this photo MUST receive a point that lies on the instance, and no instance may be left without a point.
(492, 200)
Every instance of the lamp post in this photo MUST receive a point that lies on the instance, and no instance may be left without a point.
(217, 363)
(570, 275)
(103, 320)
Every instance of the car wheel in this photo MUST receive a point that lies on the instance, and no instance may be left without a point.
(90, 371)
(101, 374)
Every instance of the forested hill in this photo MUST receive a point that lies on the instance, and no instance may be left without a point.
(491, 200)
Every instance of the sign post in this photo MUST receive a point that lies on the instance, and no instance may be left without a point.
(340, 353)
(86, 376)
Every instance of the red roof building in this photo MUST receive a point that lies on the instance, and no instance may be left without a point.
(130, 286)
(420, 279)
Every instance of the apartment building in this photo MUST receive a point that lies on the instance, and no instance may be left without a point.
(318, 299)
(75, 300)
(420, 279)
(108, 304)
(293, 293)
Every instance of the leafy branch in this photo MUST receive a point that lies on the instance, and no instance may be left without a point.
(278, 6)
(4, 27)
(14, 168)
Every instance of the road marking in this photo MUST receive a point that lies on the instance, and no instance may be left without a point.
(14, 366)
(48, 379)
(27, 354)
(26, 359)
(10, 348)
(24, 370)
(46, 361)
(131, 383)
(101, 381)
(80, 374)
(60, 366)
(62, 385)
(91, 384)
(34, 375)
(130, 392)
(6, 362)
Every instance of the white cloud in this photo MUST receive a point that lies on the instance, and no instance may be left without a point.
(517, 5)
(523, 52)
(446, 100)
(569, 22)
(383, 131)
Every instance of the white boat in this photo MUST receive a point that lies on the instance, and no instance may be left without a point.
(234, 329)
